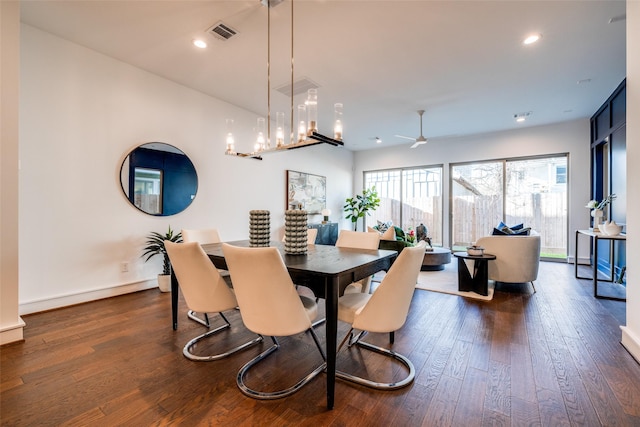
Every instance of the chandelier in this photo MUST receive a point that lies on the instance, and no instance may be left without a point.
(303, 132)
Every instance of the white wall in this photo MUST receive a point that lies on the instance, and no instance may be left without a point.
(568, 137)
(80, 114)
(631, 333)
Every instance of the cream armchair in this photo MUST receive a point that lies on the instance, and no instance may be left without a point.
(517, 258)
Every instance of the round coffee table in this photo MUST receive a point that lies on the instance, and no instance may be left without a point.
(434, 260)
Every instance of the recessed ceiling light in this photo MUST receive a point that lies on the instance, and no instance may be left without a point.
(532, 38)
(200, 43)
(378, 140)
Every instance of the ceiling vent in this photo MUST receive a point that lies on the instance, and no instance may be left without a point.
(222, 31)
(299, 86)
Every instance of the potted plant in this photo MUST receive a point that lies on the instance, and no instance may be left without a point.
(155, 246)
(361, 205)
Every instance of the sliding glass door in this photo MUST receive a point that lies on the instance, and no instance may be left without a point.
(476, 201)
(409, 198)
(531, 191)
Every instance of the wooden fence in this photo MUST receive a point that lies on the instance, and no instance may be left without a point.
(546, 213)
(476, 216)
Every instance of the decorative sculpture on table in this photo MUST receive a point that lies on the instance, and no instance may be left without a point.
(295, 232)
(597, 210)
(422, 234)
(259, 228)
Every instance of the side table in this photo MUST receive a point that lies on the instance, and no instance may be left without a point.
(475, 279)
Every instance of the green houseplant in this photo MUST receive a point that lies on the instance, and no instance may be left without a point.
(360, 205)
(155, 246)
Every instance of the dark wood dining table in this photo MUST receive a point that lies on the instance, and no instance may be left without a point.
(326, 270)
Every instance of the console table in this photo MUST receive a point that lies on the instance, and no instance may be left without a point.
(594, 236)
(327, 233)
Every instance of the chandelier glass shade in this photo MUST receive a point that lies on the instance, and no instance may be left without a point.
(304, 130)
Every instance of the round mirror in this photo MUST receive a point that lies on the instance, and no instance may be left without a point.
(158, 179)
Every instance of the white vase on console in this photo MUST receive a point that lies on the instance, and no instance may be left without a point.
(610, 228)
(597, 215)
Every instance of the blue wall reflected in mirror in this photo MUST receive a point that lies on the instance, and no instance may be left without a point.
(158, 179)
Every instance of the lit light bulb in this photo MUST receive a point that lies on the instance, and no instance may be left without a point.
(230, 142)
(532, 39)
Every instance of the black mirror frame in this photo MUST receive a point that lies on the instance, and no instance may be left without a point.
(177, 171)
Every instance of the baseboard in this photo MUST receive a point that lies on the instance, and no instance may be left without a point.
(12, 333)
(85, 296)
(631, 342)
(581, 260)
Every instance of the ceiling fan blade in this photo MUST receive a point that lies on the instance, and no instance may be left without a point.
(405, 137)
(418, 143)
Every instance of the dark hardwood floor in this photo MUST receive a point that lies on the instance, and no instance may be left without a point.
(551, 358)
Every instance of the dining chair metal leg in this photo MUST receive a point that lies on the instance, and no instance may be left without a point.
(408, 379)
(193, 316)
(319, 322)
(240, 379)
(187, 350)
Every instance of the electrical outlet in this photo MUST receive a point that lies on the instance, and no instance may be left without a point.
(124, 267)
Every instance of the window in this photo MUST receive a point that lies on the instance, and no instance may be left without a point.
(408, 198)
(532, 191)
(561, 174)
(148, 190)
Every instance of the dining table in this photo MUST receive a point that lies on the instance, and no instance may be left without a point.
(326, 270)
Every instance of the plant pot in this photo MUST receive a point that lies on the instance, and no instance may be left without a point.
(164, 282)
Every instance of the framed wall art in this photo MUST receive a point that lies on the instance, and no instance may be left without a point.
(306, 191)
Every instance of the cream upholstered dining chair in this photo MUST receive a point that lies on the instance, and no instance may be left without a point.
(383, 311)
(204, 290)
(269, 305)
(312, 233)
(358, 240)
(203, 236)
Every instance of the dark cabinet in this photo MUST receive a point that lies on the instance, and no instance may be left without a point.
(608, 175)
(327, 233)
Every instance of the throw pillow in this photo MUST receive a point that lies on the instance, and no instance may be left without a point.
(382, 226)
(516, 230)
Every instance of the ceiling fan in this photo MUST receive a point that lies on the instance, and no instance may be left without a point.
(419, 140)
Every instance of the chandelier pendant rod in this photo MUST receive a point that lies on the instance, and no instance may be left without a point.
(291, 126)
(268, 74)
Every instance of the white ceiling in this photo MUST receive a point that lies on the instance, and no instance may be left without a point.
(461, 61)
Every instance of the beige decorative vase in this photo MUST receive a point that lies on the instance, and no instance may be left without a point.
(597, 215)
(295, 232)
(610, 228)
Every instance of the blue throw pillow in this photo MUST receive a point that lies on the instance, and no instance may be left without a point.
(517, 230)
